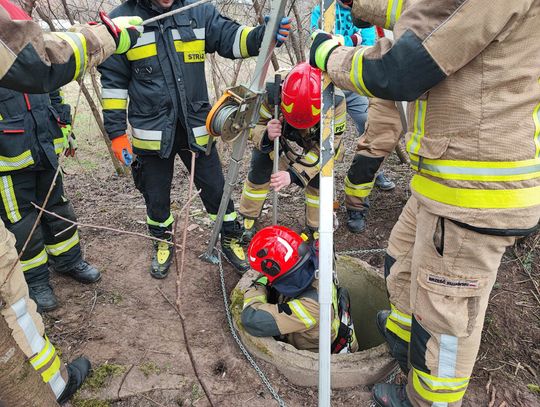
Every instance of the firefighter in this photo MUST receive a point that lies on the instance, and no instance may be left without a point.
(164, 77)
(30, 139)
(298, 131)
(383, 131)
(283, 302)
(56, 58)
(474, 143)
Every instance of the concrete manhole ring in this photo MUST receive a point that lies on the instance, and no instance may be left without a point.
(365, 367)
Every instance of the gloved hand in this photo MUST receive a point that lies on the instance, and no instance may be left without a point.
(261, 281)
(122, 149)
(283, 30)
(70, 143)
(321, 48)
(124, 30)
(356, 39)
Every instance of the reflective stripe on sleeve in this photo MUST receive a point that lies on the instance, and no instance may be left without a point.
(114, 99)
(302, 313)
(78, 44)
(265, 113)
(420, 107)
(58, 145)
(144, 48)
(393, 12)
(201, 135)
(147, 139)
(240, 49)
(63, 247)
(356, 73)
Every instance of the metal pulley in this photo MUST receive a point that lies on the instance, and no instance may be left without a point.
(232, 113)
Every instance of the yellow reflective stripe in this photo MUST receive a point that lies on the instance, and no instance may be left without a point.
(146, 144)
(16, 163)
(393, 12)
(146, 51)
(442, 383)
(356, 73)
(536, 118)
(251, 300)
(419, 124)
(358, 190)
(189, 46)
(254, 194)
(62, 247)
(311, 157)
(44, 356)
(397, 330)
(264, 112)
(478, 170)
(398, 316)
(9, 199)
(476, 198)
(168, 222)
(312, 200)
(435, 397)
(243, 42)
(58, 145)
(302, 313)
(111, 104)
(35, 261)
(229, 217)
(336, 321)
(340, 123)
(77, 41)
(48, 374)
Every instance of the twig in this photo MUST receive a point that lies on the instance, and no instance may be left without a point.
(492, 398)
(188, 347)
(123, 380)
(152, 400)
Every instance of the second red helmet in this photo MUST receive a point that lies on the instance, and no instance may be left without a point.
(275, 250)
(301, 96)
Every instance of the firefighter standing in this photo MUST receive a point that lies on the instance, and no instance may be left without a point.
(300, 107)
(30, 139)
(165, 80)
(19, 69)
(283, 302)
(474, 142)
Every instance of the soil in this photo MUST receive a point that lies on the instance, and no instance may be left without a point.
(125, 320)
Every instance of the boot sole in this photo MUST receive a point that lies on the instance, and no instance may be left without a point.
(84, 281)
(356, 231)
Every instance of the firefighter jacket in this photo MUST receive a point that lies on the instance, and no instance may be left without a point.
(164, 74)
(30, 129)
(470, 69)
(296, 320)
(34, 61)
(304, 160)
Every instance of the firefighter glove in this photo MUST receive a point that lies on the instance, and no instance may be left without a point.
(66, 132)
(122, 149)
(261, 281)
(124, 30)
(72, 147)
(283, 30)
(321, 48)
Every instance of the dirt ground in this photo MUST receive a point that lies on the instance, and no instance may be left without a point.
(133, 336)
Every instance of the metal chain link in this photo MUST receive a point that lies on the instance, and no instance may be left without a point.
(248, 356)
(364, 251)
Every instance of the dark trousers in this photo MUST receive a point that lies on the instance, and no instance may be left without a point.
(62, 252)
(153, 178)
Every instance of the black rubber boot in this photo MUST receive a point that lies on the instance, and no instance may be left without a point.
(78, 370)
(43, 296)
(390, 395)
(383, 183)
(162, 260)
(84, 273)
(249, 231)
(356, 221)
(398, 348)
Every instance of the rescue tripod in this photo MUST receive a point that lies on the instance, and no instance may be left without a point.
(235, 114)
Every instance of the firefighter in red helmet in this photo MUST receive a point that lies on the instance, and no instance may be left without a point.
(298, 133)
(283, 302)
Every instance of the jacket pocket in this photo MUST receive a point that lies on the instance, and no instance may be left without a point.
(15, 144)
(147, 88)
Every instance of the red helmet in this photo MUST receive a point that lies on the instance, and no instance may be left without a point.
(275, 250)
(301, 96)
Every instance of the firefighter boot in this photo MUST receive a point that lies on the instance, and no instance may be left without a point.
(356, 221)
(390, 395)
(78, 370)
(84, 273)
(383, 183)
(231, 236)
(249, 231)
(161, 262)
(43, 295)
(398, 348)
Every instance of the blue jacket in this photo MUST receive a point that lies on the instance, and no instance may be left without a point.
(344, 26)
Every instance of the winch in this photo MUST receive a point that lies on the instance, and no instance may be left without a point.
(233, 113)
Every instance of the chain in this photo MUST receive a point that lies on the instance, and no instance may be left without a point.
(250, 359)
(365, 251)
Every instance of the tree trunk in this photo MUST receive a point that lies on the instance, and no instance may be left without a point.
(95, 111)
(20, 384)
